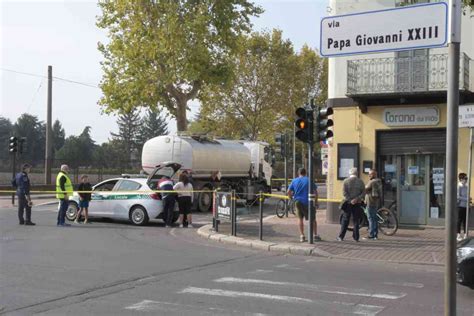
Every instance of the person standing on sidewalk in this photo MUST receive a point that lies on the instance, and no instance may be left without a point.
(373, 199)
(21, 183)
(299, 191)
(353, 191)
(64, 190)
(85, 195)
(462, 204)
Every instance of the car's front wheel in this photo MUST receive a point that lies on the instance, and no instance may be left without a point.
(138, 216)
(71, 212)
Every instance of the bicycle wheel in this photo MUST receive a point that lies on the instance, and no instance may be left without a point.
(387, 221)
(280, 208)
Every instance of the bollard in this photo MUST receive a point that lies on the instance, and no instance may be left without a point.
(260, 208)
(233, 214)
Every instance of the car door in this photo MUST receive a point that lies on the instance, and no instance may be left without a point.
(125, 195)
(100, 204)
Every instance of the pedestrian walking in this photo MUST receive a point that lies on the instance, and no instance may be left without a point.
(353, 191)
(64, 190)
(462, 204)
(299, 190)
(185, 199)
(22, 184)
(169, 198)
(373, 199)
(84, 189)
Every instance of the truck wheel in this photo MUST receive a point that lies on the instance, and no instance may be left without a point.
(205, 200)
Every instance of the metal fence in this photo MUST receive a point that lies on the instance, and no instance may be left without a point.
(424, 73)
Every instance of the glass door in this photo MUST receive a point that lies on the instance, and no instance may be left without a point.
(413, 188)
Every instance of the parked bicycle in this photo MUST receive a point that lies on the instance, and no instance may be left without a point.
(386, 218)
(280, 207)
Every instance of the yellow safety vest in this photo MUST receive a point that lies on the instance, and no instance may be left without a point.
(67, 186)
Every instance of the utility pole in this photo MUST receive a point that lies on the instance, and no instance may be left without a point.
(284, 139)
(452, 156)
(49, 129)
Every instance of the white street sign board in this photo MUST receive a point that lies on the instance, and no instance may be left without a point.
(404, 28)
(466, 115)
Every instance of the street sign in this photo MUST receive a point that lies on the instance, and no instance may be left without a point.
(385, 30)
(224, 205)
(466, 115)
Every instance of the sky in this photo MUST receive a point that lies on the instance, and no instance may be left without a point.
(63, 34)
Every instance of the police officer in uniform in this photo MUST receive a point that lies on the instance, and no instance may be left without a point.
(64, 190)
(22, 184)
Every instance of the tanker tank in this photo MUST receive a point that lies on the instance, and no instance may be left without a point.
(204, 157)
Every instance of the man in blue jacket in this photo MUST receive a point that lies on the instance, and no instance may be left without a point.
(22, 184)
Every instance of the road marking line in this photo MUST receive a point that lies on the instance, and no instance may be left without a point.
(150, 306)
(341, 307)
(260, 271)
(318, 288)
(287, 266)
(406, 284)
(225, 293)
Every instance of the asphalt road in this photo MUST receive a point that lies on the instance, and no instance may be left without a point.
(113, 268)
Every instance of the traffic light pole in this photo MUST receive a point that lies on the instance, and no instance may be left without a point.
(13, 174)
(311, 195)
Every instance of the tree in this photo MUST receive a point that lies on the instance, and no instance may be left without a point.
(264, 88)
(161, 53)
(59, 136)
(6, 130)
(77, 150)
(35, 132)
(129, 124)
(152, 125)
(110, 155)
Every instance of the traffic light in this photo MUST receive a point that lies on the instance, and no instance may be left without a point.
(304, 125)
(22, 145)
(323, 122)
(280, 140)
(13, 144)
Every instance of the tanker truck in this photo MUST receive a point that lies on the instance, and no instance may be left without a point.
(243, 166)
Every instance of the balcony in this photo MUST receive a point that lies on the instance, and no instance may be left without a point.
(403, 75)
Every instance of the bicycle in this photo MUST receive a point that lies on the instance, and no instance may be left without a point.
(386, 218)
(280, 207)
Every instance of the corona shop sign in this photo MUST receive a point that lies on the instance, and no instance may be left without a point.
(385, 30)
(423, 116)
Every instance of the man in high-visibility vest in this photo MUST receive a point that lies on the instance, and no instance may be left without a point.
(64, 190)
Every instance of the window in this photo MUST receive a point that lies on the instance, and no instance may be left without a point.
(128, 185)
(106, 186)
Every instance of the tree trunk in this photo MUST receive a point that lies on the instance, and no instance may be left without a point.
(181, 121)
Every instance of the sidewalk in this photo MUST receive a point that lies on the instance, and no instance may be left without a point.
(418, 246)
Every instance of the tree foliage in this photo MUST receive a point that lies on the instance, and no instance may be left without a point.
(6, 130)
(77, 151)
(59, 136)
(152, 124)
(161, 53)
(129, 124)
(270, 81)
(34, 130)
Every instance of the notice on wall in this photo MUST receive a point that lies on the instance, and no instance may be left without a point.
(345, 166)
(390, 168)
(438, 180)
(434, 212)
(325, 166)
(413, 170)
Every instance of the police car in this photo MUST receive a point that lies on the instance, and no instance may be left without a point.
(127, 198)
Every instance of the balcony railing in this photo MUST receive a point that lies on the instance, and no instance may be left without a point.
(397, 75)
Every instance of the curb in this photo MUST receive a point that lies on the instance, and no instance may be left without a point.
(287, 248)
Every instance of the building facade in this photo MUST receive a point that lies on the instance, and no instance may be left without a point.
(390, 114)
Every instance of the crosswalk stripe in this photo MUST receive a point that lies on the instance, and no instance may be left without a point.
(406, 284)
(218, 292)
(318, 288)
(342, 307)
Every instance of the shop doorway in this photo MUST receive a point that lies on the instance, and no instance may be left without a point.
(414, 187)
